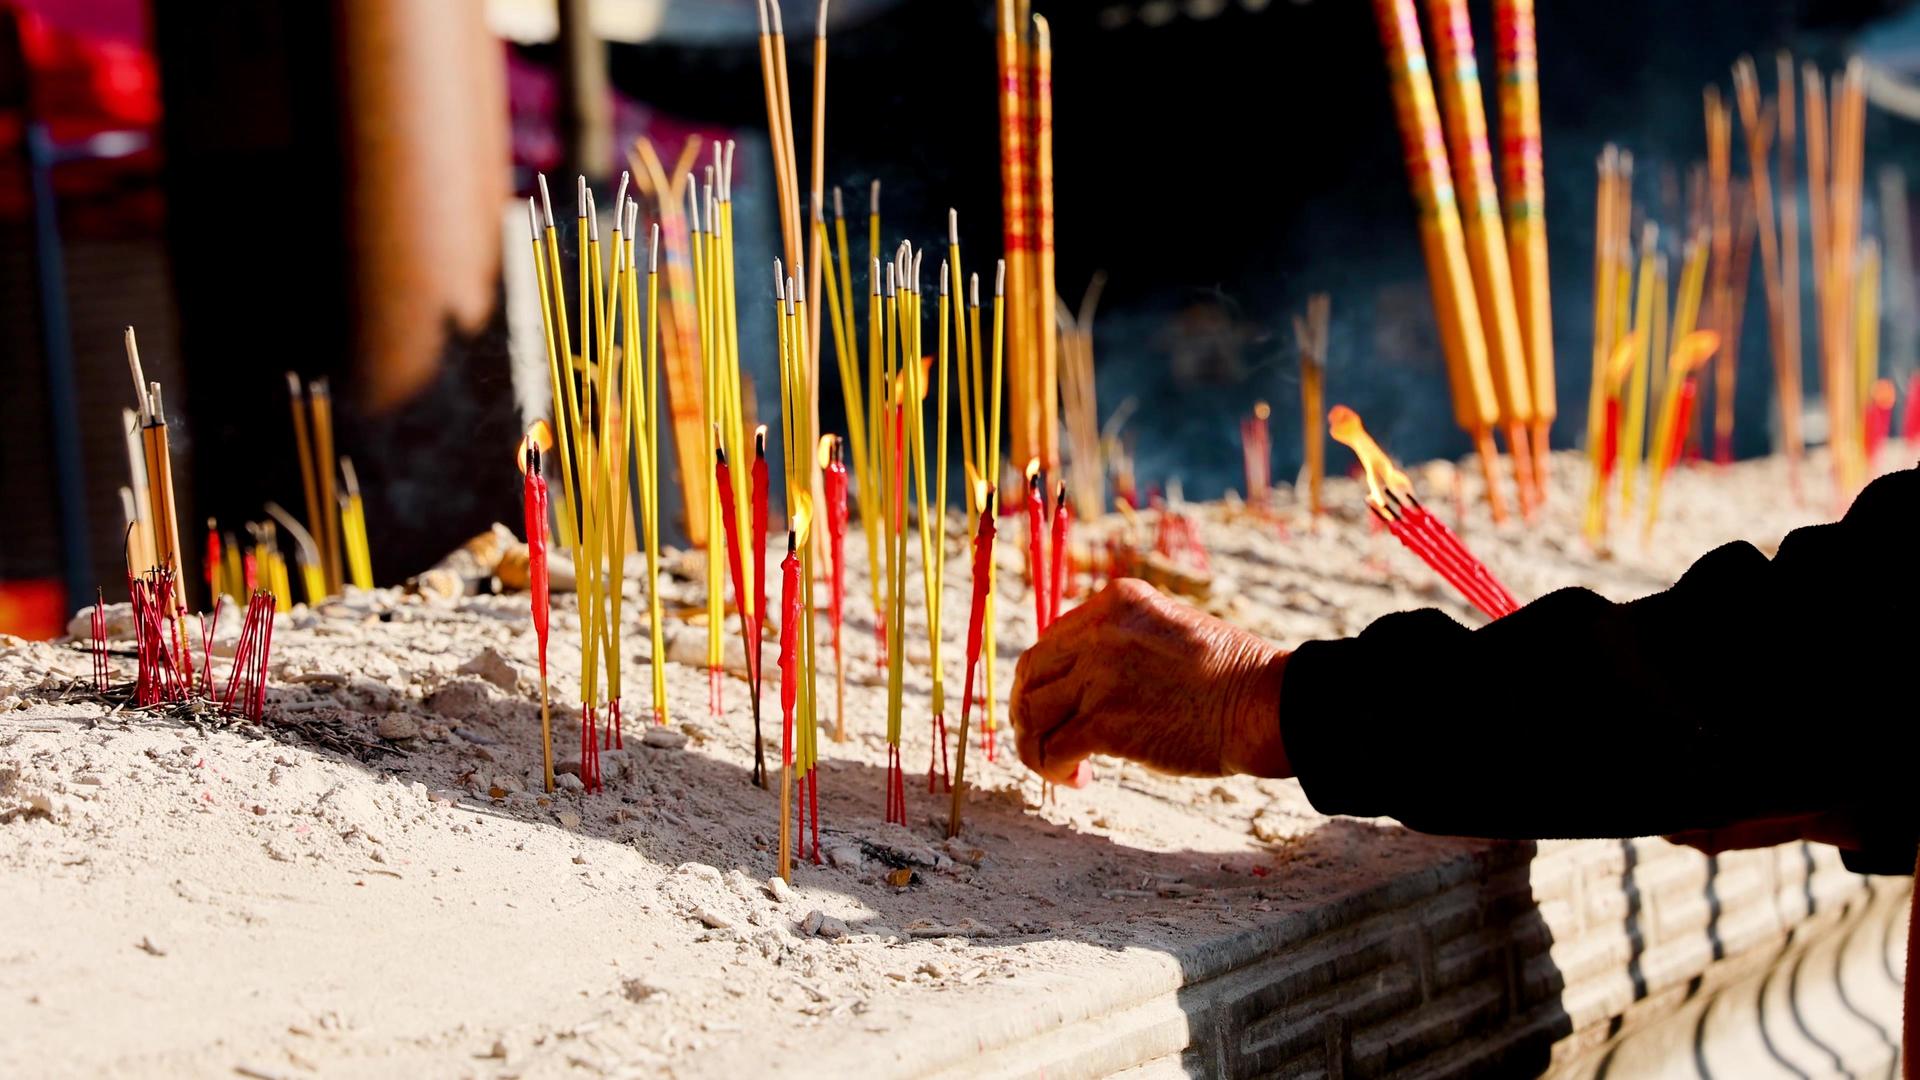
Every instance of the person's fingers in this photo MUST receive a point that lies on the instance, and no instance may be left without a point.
(1063, 750)
(1040, 713)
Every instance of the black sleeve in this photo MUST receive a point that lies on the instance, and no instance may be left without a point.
(1751, 689)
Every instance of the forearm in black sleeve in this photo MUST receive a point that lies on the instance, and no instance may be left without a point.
(1751, 689)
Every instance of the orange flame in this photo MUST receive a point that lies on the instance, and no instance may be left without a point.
(539, 435)
(824, 453)
(979, 486)
(1620, 364)
(1345, 427)
(1694, 350)
(1883, 394)
(802, 522)
(1261, 410)
(1033, 469)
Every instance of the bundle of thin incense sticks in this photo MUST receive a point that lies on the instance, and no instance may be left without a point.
(605, 404)
(1025, 60)
(1086, 471)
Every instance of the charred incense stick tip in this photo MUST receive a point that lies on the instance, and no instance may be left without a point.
(593, 219)
(158, 412)
(546, 201)
(953, 227)
(293, 385)
(1649, 236)
(726, 174)
(580, 194)
(309, 551)
(620, 195)
(761, 7)
(773, 9)
(814, 199)
(533, 219)
(973, 290)
(693, 207)
(890, 273)
(653, 247)
(1000, 277)
(350, 478)
(916, 271)
(139, 376)
(839, 205)
(874, 277)
(873, 200)
(779, 281)
(798, 290)
(943, 278)
(820, 21)
(791, 295)
(633, 219)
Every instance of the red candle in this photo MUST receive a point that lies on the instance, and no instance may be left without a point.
(789, 641)
(758, 554)
(1683, 419)
(535, 504)
(1879, 418)
(1036, 545)
(835, 468)
(1610, 439)
(749, 626)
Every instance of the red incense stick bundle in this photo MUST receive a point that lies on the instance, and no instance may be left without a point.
(98, 623)
(1390, 496)
(207, 625)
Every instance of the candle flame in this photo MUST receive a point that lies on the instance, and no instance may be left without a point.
(802, 522)
(824, 453)
(1883, 394)
(539, 435)
(1620, 364)
(1261, 410)
(1345, 427)
(1694, 350)
(1033, 469)
(979, 486)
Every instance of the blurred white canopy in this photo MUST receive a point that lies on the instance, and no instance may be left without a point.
(687, 22)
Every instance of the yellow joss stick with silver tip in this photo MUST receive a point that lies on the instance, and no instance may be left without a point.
(887, 397)
(803, 494)
(989, 655)
(714, 354)
(939, 523)
(846, 350)
(650, 494)
(1633, 413)
(546, 266)
(968, 452)
(616, 422)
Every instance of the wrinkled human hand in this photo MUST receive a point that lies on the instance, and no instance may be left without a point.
(1136, 675)
(1839, 828)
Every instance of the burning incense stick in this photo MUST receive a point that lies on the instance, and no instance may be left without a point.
(320, 400)
(1390, 495)
(303, 447)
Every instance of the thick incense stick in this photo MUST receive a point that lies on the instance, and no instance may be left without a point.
(1486, 241)
(1462, 338)
(1525, 188)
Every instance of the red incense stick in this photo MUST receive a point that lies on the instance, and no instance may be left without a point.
(749, 623)
(976, 620)
(1062, 519)
(1910, 418)
(101, 680)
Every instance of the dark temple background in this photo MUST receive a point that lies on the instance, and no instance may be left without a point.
(1219, 160)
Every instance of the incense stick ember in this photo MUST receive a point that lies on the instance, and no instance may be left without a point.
(1390, 496)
